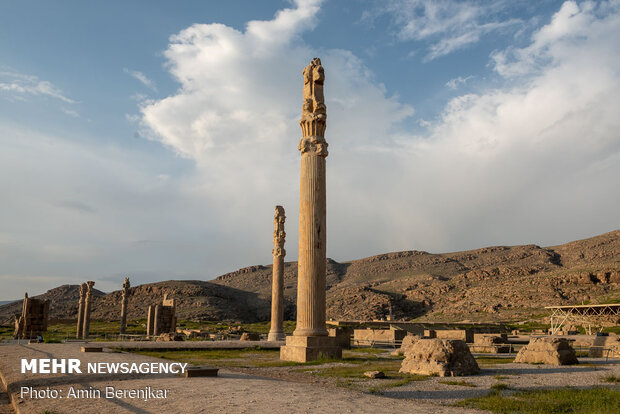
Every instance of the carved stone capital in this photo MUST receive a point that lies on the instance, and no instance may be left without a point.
(278, 232)
(89, 291)
(278, 251)
(313, 110)
(314, 144)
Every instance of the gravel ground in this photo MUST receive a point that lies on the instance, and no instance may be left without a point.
(229, 392)
(274, 390)
(589, 373)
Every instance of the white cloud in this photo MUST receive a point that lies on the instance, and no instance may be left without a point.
(59, 192)
(142, 78)
(236, 114)
(448, 25)
(487, 170)
(19, 85)
(535, 160)
(458, 81)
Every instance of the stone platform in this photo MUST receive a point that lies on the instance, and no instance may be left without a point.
(310, 348)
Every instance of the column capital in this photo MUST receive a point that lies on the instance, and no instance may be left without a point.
(89, 291)
(278, 233)
(313, 110)
(316, 145)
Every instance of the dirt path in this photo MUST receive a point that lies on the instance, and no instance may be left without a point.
(229, 392)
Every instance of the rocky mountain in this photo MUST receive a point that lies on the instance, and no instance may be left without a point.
(488, 284)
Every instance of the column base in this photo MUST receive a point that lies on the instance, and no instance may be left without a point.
(310, 348)
(276, 336)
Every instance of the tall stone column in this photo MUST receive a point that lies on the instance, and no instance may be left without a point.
(87, 304)
(276, 333)
(310, 340)
(80, 321)
(126, 286)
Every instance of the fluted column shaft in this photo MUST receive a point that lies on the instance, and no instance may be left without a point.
(276, 333)
(80, 319)
(124, 305)
(277, 299)
(87, 305)
(312, 246)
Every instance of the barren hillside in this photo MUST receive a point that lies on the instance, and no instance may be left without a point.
(488, 284)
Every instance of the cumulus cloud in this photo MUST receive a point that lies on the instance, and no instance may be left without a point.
(512, 164)
(534, 160)
(541, 152)
(448, 25)
(19, 85)
(237, 111)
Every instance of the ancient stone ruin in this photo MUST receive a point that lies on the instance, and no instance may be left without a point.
(162, 318)
(466, 335)
(80, 319)
(605, 346)
(547, 350)
(169, 337)
(493, 344)
(378, 336)
(126, 286)
(276, 333)
(407, 342)
(342, 335)
(84, 305)
(310, 340)
(87, 306)
(33, 320)
(249, 336)
(443, 357)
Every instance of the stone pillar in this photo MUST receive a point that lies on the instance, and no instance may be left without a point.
(150, 321)
(126, 286)
(276, 333)
(87, 304)
(80, 319)
(156, 321)
(310, 340)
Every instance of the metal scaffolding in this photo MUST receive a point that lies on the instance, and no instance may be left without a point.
(588, 316)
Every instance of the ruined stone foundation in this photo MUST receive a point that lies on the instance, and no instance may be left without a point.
(443, 357)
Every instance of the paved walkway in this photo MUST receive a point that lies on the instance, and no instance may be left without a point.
(229, 392)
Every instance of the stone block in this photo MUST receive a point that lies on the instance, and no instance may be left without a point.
(249, 336)
(342, 335)
(605, 346)
(310, 348)
(466, 335)
(489, 343)
(369, 336)
(443, 357)
(276, 336)
(430, 333)
(547, 350)
(169, 337)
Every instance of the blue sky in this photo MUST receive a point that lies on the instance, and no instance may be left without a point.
(153, 139)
